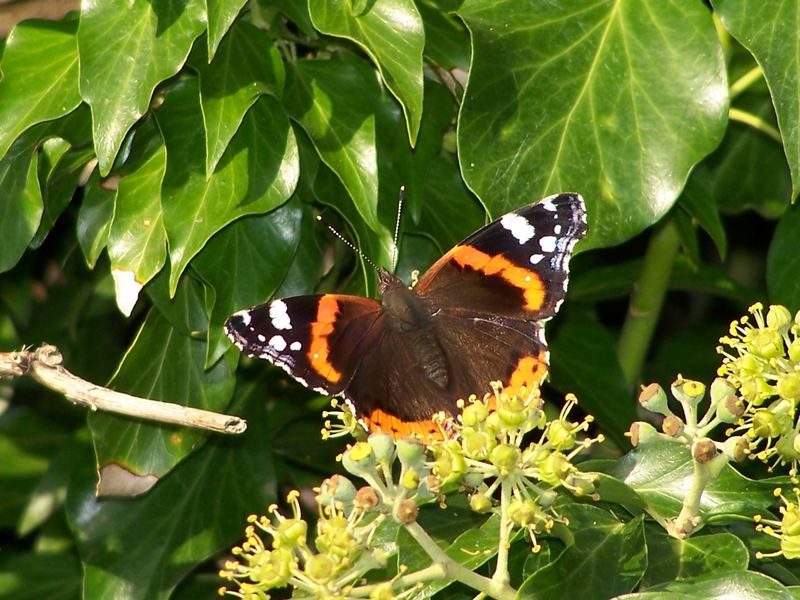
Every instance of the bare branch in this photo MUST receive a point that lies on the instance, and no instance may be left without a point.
(44, 365)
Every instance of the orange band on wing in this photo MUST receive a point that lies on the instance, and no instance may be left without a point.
(530, 371)
(526, 280)
(379, 420)
(321, 328)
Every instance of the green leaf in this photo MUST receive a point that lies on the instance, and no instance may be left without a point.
(775, 47)
(446, 38)
(614, 100)
(606, 558)
(661, 472)
(392, 34)
(245, 66)
(55, 576)
(21, 205)
(245, 263)
(137, 241)
(670, 558)
(783, 261)
(94, 218)
(40, 76)
(697, 200)
(257, 173)
(161, 364)
(749, 168)
(141, 548)
(742, 585)
(584, 361)
(127, 49)
(335, 106)
(221, 15)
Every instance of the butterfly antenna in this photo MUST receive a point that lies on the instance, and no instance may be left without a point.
(397, 225)
(349, 244)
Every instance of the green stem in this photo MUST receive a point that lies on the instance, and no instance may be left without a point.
(689, 518)
(646, 300)
(745, 81)
(434, 572)
(458, 571)
(501, 575)
(755, 122)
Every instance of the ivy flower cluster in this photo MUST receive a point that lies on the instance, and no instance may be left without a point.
(761, 359)
(484, 451)
(787, 530)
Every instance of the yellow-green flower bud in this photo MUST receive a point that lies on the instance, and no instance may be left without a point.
(554, 468)
(320, 568)
(290, 533)
(653, 398)
(581, 484)
(477, 444)
(525, 513)
(382, 446)
(505, 457)
(474, 414)
(765, 424)
(273, 568)
(512, 413)
(779, 318)
(411, 452)
(790, 522)
(787, 444)
(480, 503)
(688, 391)
(382, 591)
(766, 343)
(794, 351)
(359, 459)
(410, 479)
(789, 386)
(561, 434)
(406, 511)
(547, 498)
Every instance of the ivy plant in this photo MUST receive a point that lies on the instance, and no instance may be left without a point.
(165, 164)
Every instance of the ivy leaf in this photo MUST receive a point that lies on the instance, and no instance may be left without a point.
(245, 263)
(742, 585)
(775, 48)
(245, 66)
(94, 218)
(698, 201)
(606, 558)
(161, 364)
(335, 106)
(661, 473)
(221, 15)
(783, 261)
(257, 173)
(614, 100)
(139, 548)
(40, 76)
(392, 34)
(126, 49)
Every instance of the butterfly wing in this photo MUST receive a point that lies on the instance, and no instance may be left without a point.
(517, 266)
(317, 339)
(392, 391)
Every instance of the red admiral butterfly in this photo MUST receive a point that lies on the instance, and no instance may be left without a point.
(476, 316)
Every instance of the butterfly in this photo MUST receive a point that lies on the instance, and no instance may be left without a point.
(476, 316)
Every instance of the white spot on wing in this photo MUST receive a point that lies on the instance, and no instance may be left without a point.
(296, 346)
(548, 243)
(537, 258)
(244, 315)
(277, 342)
(279, 314)
(261, 338)
(519, 227)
